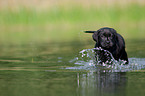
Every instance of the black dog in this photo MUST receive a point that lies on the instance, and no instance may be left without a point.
(109, 39)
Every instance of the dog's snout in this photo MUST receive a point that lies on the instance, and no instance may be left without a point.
(107, 41)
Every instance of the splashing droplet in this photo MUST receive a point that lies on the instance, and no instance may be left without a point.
(89, 60)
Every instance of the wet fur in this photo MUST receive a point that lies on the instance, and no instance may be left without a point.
(116, 43)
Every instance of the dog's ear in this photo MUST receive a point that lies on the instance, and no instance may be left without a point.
(115, 35)
(96, 35)
(121, 41)
(118, 38)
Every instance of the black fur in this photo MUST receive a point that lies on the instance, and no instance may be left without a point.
(109, 39)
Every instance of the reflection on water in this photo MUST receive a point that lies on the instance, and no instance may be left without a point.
(101, 83)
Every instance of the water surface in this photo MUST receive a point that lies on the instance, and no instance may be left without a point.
(58, 69)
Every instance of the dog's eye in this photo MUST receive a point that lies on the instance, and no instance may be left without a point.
(110, 35)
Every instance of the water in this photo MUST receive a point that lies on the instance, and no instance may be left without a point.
(88, 61)
(69, 69)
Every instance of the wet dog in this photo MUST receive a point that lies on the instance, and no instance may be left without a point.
(108, 39)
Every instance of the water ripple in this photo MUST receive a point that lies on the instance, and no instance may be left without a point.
(86, 60)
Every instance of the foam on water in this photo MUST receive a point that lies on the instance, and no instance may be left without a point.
(88, 61)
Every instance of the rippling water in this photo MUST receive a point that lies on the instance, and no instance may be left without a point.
(88, 61)
(69, 69)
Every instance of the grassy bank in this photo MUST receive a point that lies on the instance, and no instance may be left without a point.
(66, 23)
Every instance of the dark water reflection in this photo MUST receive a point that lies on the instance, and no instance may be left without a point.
(40, 70)
(102, 84)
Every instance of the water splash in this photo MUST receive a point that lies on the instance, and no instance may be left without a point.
(88, 60)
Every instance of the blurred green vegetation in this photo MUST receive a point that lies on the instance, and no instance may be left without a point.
(131, 13)
(67, 23)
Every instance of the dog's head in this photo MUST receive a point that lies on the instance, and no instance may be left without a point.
(105, 37)
(110, 40)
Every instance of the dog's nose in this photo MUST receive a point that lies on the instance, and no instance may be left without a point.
(107, 42)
